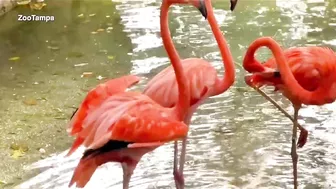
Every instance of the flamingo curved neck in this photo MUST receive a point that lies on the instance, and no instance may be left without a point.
(250, 64)
(184, 94)
(296, 90)
(229, 75)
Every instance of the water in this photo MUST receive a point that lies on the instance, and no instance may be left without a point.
(237, 139)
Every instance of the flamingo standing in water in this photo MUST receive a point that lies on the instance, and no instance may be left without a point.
(119, 126)
(202, 78)
(305, 75)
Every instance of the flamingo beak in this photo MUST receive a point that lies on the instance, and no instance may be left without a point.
(233, 4)
(202, 8)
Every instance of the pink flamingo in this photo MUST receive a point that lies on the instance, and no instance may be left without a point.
(119, 126)
(305, 75)
(201, 76)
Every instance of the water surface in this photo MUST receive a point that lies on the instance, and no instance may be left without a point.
(237, 139)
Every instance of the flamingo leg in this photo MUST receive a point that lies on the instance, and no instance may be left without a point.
(303, 132)
(293, 151)
(182, 161)
(127, 174)
(179, 172)
(177, 176)
(183, 154)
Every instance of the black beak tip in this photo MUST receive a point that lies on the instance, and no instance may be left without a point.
(233, 4)
(203, 10)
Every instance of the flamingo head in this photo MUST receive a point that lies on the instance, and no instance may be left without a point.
(260, 79)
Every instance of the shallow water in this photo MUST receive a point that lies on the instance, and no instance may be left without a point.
(237, 139)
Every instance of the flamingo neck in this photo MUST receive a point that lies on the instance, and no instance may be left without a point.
(183, 89)
(299, 94)
(229, 75)
(251, 64)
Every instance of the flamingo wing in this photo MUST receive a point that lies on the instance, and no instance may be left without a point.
(93, 99)
(96, 96)
(139, 120)
(201, 76)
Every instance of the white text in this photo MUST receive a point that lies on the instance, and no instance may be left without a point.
(28, 18)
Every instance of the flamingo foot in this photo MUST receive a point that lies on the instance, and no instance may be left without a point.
(179, 179)
(302, 138)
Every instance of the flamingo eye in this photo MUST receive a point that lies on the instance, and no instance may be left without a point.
(277, 74)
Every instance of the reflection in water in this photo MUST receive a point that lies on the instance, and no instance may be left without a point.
(237, 140)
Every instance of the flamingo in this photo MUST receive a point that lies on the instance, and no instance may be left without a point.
(304, 75)
(119, 126)
(202, 78)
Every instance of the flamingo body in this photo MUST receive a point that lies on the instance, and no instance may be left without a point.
(121, 128)
(201, 76)
(305, 75)
(311, 67)
(203, 83)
